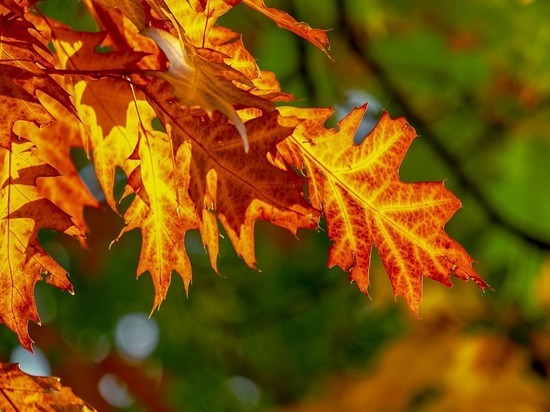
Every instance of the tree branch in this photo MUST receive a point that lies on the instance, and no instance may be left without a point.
(420, 124)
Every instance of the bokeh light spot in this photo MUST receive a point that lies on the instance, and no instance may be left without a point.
(136, 336)
(36, 364)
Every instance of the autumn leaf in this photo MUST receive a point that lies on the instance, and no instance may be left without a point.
(317, 37)
(162, 211)
(365, 203)
(53, 145)
(110, 128)
(202, 75)
(77, 54)
(133, 9)
(122, 35)
(105, 107)
(199, 77)
(23, 212)
(239, 187)
(22, 392)
(24, 61)
(169, 61)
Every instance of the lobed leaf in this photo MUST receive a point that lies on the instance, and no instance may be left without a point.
(23, 212)
(24, 59)
(162, 211)
(365, 203)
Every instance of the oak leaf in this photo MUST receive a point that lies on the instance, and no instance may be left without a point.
(23, 212)
(317, 37)
(53, 145)
(239, 187)
(110, 128)
(22, 392)
(199, 77)
(132, 9)
(162, 211)
(365, 203)
(24, 61)
(106, 108)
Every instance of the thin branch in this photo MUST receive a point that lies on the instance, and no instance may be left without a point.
(444, 153)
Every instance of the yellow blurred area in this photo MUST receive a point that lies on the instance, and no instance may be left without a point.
(443, 363)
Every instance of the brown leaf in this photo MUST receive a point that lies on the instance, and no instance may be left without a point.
(241, 188)
(24, 60)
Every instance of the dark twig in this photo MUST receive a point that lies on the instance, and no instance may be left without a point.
(303, 69)
(444, 153)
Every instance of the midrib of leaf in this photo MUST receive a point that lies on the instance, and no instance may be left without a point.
(6, 396)
(346, 217)
(8, 219)
(156, 208)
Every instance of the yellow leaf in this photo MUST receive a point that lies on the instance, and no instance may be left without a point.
(23, 212)
(162, 212)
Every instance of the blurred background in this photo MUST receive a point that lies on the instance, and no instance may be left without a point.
(473, 78)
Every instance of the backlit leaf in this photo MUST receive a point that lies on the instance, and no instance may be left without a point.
(22, 392)
(53, 145)
(240, 187)
(23, 262)
(24, 59)
(366, 203)
(162, 211)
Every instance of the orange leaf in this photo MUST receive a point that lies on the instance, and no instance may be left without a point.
(123, 35)
(22, 392)
(110, 128)
(366, 204)
(23, 212)
(23, 61)
(132, 9)
(197, 21)
(162, 211)
(54, 142)
(77, 52)
(316, 37)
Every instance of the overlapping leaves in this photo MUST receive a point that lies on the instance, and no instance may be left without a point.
(224, 154)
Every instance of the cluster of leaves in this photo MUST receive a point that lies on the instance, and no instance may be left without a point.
(180, 106)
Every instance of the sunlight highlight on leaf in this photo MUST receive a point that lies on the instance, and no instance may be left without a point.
(365, 203)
